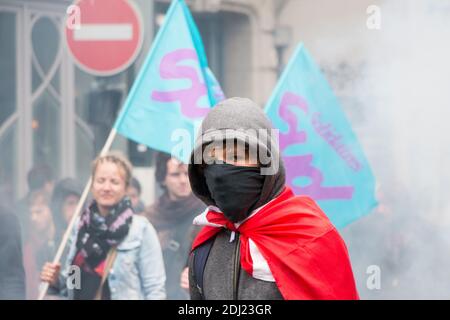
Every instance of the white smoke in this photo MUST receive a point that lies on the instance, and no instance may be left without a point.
(407, 77)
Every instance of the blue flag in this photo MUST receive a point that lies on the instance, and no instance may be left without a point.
(173, 91)
(322, 155)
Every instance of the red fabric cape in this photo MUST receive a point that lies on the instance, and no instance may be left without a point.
(305, 253)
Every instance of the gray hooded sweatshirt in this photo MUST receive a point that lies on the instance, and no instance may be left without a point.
(223, 276)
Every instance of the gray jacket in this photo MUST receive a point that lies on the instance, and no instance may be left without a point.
(223, 276)
(224, 279)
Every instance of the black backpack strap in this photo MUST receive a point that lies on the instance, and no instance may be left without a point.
(200, 257)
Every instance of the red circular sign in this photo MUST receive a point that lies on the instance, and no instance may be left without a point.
(106, 36)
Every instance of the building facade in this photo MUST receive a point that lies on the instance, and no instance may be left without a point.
(53, 112)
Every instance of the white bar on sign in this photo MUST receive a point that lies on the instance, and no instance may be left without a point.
(104, 32)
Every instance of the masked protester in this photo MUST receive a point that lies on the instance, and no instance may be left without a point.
(172, 216)
(117, 252)
(259, 240)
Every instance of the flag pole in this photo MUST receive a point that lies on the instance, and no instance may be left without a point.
(45, 285)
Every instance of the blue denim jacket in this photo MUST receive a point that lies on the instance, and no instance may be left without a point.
(138, 270)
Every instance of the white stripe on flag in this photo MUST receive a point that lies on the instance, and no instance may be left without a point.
(202, 219)
(104, 32)
(261, 269)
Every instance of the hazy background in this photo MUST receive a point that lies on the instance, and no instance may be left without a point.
(405, 88)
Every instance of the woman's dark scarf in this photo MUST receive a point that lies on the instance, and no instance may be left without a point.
(96, 236)
(167, 213)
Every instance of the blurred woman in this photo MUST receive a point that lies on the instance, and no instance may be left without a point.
(118, 254)
(65, 197)
(39, 244)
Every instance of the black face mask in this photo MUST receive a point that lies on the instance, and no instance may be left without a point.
(234, 189)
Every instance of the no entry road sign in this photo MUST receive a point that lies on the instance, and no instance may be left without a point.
(108, 36)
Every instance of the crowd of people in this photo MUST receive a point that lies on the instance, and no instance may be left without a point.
(155, 238)
(221, 229)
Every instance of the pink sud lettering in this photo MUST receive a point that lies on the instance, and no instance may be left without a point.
(300, 165)
(188, 98)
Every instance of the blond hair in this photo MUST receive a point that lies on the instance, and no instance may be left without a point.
(117, 158)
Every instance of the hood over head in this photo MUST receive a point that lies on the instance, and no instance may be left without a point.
(242, 120)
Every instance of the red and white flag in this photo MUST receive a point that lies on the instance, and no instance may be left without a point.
(289, 241)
